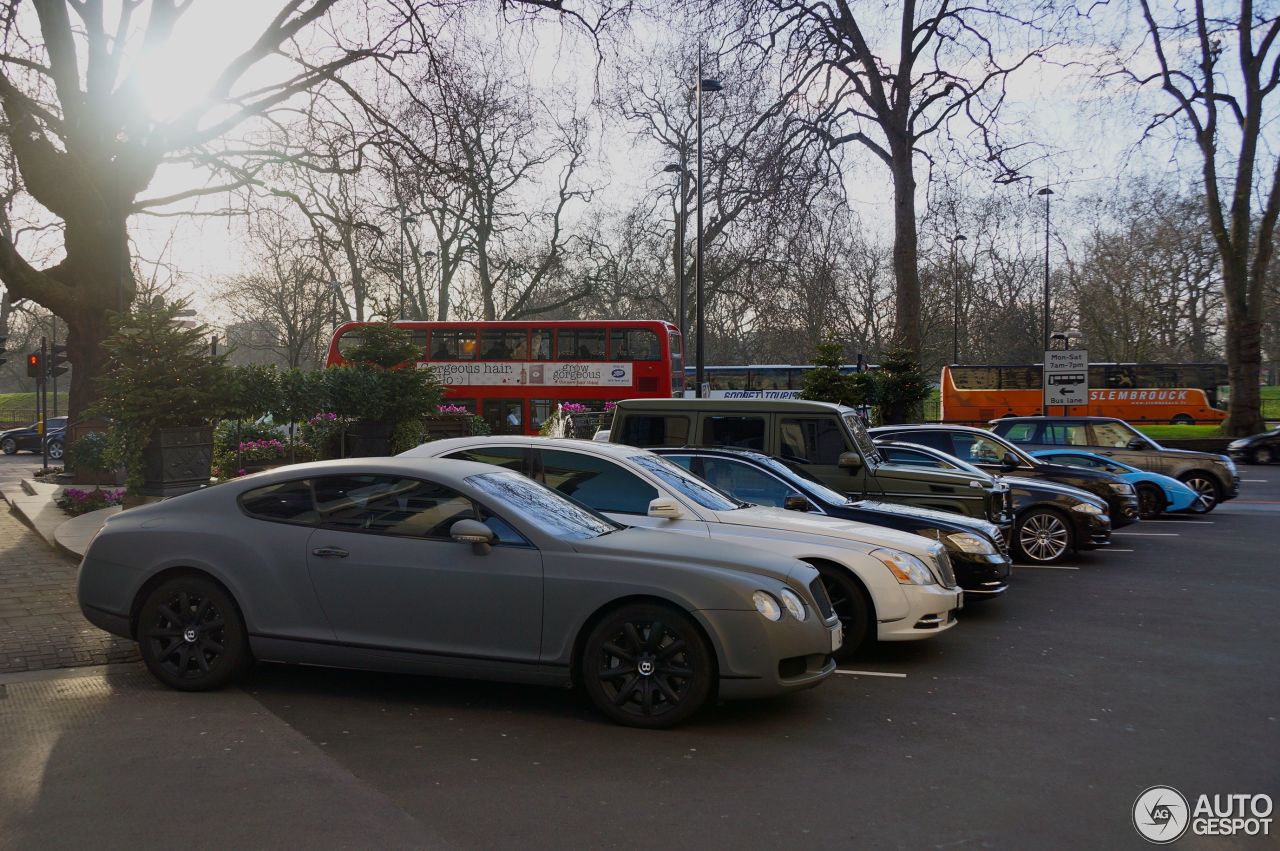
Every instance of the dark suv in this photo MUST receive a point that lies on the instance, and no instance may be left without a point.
(1214, 477)
(995, 455)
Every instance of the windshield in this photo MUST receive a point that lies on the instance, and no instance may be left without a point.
(686, 483)
(544, 508)
(861, 439)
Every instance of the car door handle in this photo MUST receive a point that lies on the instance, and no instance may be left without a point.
(330, 552)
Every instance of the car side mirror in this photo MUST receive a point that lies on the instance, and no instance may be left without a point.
(665, 508)
(795, 503)
(850, 460)
(475, 533)
(1138, 443)
(1008, 462)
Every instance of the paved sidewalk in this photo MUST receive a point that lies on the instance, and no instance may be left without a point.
(41, 627)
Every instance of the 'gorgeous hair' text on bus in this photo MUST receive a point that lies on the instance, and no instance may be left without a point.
(515, 373)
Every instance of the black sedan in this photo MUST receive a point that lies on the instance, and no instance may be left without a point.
(977, 549)
(996, 456)
(28, 438)
(1261, 448)
(1050, 520)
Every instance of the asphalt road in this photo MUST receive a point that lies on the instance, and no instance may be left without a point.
(1035, 723)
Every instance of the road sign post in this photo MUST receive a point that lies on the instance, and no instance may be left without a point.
(1066, 378)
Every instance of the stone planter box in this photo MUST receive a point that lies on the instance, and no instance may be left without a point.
(177, 460)
(92, 476)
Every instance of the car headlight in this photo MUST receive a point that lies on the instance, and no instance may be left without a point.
(794, 604)
(767, 605)
(906, 568)
(1086, 508)
(969, 543)
(1237, 444)
(1121, 487)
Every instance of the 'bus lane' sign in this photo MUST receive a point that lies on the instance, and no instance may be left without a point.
(1066, 378)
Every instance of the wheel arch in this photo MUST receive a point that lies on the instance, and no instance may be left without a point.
(160, 577)
(817, 563)
(606, 609)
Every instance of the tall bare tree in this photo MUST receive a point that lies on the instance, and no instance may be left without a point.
(1219, 65)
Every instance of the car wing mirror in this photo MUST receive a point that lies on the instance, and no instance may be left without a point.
(475, 533)
(795, 503)
(850, 460)
(1009, 462)
(665, 508)
(1138, 443)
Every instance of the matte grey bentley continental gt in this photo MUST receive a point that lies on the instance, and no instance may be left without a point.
(452, 568)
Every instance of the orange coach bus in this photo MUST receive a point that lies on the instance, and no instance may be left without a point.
(1137, 392)
(515, 373)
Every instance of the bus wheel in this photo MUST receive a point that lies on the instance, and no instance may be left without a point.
(1183, 419)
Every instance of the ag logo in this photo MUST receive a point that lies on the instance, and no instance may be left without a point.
(1161, 814)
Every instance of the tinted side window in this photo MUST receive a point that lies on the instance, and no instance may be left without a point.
(596, 482)
(746, 482)
(655, 430)
(975, 449)
(934, 439)
(391, 505)
(1108, 434)
(813, 441)
(1063, 434)
(289, 501)
(511, 457)
(745, 432)
(1019, 433)
(912, 458)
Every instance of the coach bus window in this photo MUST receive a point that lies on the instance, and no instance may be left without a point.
(634, 344)
(453, 345)
(1019, 378)
(727, 379)
(587, 344)
(772, 378)
(503, 345)
(975, 377)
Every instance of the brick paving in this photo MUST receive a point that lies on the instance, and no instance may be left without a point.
(41, 627)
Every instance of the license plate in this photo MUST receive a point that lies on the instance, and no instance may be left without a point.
(837, 637)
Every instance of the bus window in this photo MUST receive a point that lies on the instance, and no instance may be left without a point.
(586, 344)
(1020, 377)
(539, 410)
(770, 378)
(634, 344)
(453, 345)
(420, 341)
(469, 404)
(1118, 376)
(348, 341)
(727, 378)
(503, 345)
(975, 377)
(541, 344)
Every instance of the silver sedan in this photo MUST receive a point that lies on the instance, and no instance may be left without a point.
(452, 568)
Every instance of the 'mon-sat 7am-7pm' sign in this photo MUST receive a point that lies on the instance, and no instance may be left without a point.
(531, 374)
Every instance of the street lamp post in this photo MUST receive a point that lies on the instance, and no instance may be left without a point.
(1046, 192)
(405, 221)
(440, 301)
(681, 213)
(704, 85)
(955, 292)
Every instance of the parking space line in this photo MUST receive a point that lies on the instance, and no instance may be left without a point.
(1256, 481)
(1182, 522)
(1117, 550)
(870, 674)
(1147, 534)
(1046, 567)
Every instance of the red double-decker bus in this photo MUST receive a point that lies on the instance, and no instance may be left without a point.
(515, 373)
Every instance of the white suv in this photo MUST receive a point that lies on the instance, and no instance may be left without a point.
(899, 582)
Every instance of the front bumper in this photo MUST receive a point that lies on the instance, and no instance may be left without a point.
(760, 658)
(931, 609)
(1092, 530)
(981, 576)
(1123, 509)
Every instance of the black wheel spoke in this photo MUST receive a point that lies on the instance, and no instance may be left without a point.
(165, 633)
(646, 696)
(655, 635)
(625, 691)
(615, 673)
(633, 636)
(614, 650)
(671, 649)
(210, 645)
(184, 605)
(170, 615)
(675, 671)
(665, 687)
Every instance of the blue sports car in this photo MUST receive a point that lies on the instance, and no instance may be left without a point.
(1156, 493)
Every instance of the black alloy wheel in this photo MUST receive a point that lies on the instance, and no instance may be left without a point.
(648, 666)
(851, 606)
(1263, 455)
(8, 446)
(191, 635)
(1151, 502)
(1208, 494)
(1042, 536)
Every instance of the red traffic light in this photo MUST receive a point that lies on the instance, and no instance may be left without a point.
(33, 365)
